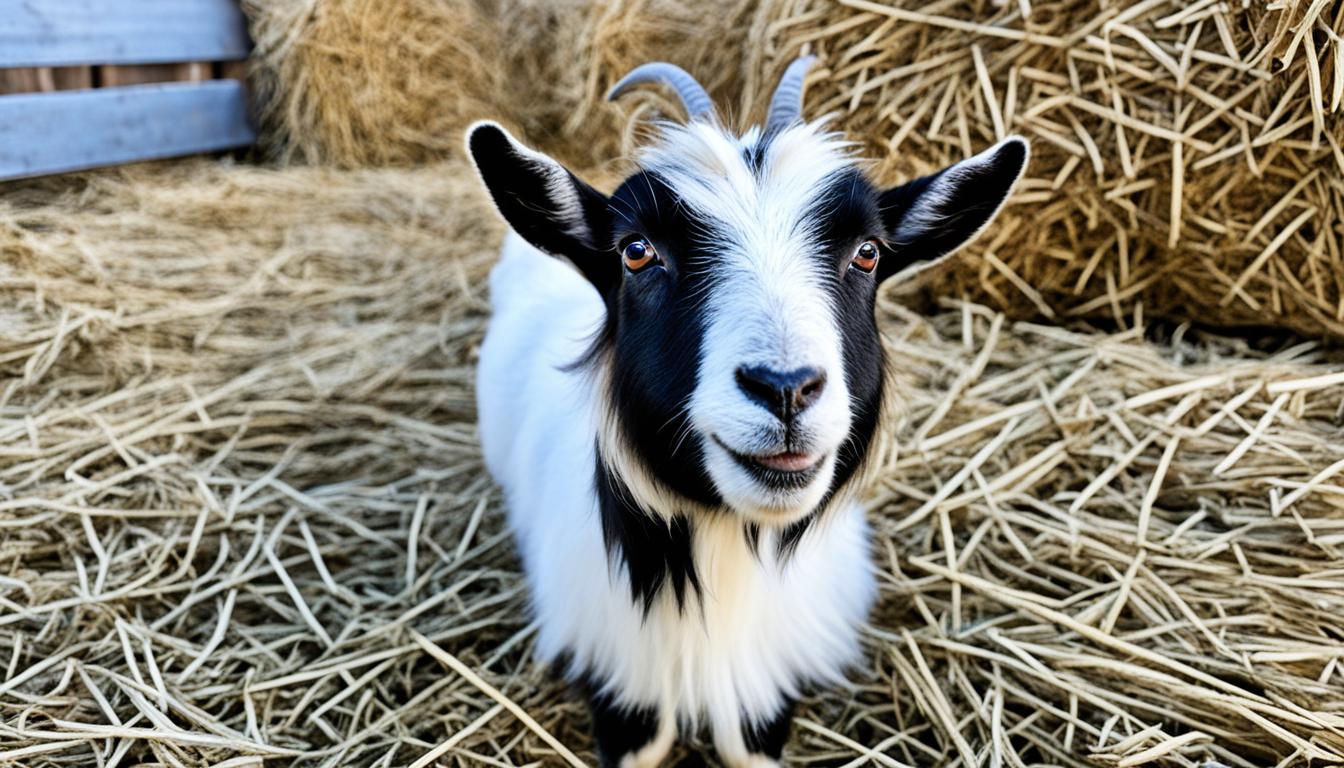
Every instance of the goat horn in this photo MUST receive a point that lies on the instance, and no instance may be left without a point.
(692, 94)
(787, 104)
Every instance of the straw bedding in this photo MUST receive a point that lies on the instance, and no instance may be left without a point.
(243, 514)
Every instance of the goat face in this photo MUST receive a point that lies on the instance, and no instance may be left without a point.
(757, 316)
(741, 354)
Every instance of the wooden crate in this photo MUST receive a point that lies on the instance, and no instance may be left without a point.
(87, 83)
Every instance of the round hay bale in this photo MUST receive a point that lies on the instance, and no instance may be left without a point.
(1186, 156)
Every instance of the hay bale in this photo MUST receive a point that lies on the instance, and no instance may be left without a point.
(393, 82)
(240, 474)
(1186, 156)
(363, 82)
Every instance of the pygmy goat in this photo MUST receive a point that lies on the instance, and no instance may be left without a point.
(682, 407)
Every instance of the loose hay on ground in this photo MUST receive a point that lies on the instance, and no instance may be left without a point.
(240, 473)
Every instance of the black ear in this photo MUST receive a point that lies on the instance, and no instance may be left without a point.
(928, 219)
(547, 205)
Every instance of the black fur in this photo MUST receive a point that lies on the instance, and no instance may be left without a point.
(652, 337)
(518, 185)
(617, 731)
(769, 738)
(654, 334)
(653, 552)
(977, 195)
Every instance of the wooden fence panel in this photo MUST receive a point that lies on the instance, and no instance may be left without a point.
(53, 33)
(43, 133)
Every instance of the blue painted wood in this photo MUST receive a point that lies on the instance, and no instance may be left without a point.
(57, 33)
(43, 133)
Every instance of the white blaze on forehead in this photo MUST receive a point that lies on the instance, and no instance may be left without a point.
(709, 170)
(760, 218)
(767, 281)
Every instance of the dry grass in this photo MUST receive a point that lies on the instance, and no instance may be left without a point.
(367, 82)
(1187, 156)
(243, 513)
(362, 82)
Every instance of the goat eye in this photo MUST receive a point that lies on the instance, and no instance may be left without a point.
(865, 256)
(638, 254)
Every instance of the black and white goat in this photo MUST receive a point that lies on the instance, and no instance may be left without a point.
(683, 407)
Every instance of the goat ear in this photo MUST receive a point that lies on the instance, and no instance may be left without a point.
(547, 205)
(930, 218)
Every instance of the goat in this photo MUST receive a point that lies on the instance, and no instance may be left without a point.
(683, 407)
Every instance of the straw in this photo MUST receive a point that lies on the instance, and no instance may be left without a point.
(1186, 157)
(1226, 204)
(243, 511)
(1060, 560)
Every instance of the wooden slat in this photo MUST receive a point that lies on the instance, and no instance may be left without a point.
(43, 133)
(45, 33)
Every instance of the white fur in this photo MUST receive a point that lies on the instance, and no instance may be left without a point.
(764, 628)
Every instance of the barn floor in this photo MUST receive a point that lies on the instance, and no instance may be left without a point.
(243, 515)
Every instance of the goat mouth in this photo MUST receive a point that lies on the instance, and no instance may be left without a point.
(786, 470)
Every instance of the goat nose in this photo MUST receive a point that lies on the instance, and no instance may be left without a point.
(784, 393)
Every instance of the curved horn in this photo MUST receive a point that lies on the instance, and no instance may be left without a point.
(692, 94)
(787, 104)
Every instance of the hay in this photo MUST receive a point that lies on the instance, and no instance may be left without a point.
(1186, 156)
(243, 513)
(362, 82)
(368, 82)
